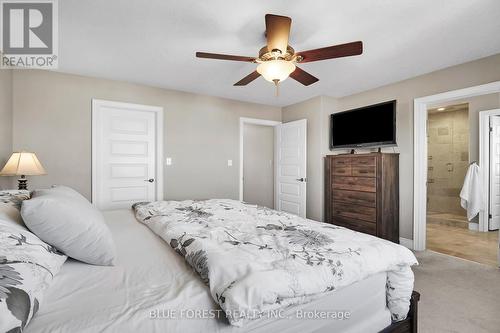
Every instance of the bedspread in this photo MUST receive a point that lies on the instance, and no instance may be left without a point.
(256, 260)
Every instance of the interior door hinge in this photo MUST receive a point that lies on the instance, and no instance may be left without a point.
(490, 216)
(491, 129)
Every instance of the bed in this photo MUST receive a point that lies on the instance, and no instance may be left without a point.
(152, 289)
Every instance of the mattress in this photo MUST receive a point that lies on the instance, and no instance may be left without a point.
(152, 289)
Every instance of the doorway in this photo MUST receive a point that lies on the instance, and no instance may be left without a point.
(258, 165)
(127, 153)
(420, 170)
(447, 163)
(455, 143)
(289, 180)
(257, 156)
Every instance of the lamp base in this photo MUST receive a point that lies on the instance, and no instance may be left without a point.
(22, 183)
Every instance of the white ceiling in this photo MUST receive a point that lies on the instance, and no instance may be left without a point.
(154, 42)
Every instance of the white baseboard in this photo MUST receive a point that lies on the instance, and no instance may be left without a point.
(406, 242)
(474, 226)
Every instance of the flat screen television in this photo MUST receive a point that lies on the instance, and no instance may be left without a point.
(369, 126)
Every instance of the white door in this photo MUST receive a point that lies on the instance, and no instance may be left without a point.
(494, 197)
(291, 157)
(125, 144)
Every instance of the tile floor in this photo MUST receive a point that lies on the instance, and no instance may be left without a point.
(481, 247)
(450, 219)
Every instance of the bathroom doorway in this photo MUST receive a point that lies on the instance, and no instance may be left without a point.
(448, 160)
(447, 228)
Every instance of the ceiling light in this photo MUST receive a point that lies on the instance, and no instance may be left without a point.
(276, 70)
(441, 109)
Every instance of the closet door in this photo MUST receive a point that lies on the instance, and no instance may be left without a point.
(125, 156)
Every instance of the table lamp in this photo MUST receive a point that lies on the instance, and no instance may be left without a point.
(23, 164)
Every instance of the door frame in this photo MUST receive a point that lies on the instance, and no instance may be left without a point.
(254, 121)
(158, 111)
(420, 107)
(484, 160)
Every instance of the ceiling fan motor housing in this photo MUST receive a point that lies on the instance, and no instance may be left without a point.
(276, 54)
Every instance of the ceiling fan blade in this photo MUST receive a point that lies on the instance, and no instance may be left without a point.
(224, 57)
(303, 77)
(330, 52)
(277, 32)
(247, 79)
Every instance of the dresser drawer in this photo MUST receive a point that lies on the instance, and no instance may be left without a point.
(354, 184)
(367, 199)
(356, 225)
(364, 160)
(364, 171)
(354, 212)
(342, 170)
(339, 161)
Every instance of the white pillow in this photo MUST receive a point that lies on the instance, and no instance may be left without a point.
(70, 224)
(62, 190)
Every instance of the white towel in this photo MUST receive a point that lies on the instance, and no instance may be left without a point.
(471, 196)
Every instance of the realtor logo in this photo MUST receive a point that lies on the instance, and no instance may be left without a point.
(28, 34)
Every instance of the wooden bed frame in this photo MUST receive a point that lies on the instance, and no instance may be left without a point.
(409, 325)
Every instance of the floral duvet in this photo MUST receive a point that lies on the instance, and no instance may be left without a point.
(256, 260)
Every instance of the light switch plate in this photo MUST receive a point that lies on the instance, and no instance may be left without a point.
(229, 163)
(168, 161)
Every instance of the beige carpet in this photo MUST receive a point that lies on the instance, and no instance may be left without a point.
(456, 295)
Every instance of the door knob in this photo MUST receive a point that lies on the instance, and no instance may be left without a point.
(301, 179)
(151, 180)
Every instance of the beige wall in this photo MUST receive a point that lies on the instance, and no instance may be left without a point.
(466, 75)
(52, 117)
(312, 111)
(5, 122)
(258, 165)
(461, 76)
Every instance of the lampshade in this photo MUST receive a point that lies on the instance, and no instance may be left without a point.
(273, 70)
(23, 164)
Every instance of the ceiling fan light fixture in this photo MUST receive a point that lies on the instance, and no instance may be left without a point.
(277, 69)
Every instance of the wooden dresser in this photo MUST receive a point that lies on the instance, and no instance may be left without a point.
(362, 193)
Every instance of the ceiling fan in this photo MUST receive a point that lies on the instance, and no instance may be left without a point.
(277, 60)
